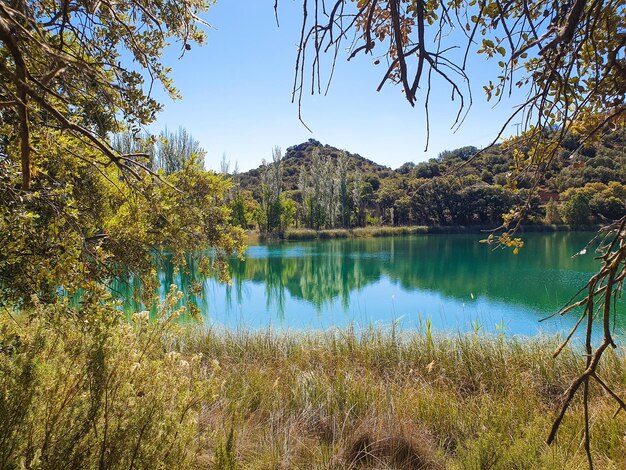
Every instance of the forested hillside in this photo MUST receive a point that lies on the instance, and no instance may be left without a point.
(300, 155)
(321, 187)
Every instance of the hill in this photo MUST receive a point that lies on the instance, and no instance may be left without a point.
(581, 185)
(299, 156)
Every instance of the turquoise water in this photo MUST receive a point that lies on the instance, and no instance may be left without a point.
(451, 281)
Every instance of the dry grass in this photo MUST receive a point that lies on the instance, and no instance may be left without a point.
(375, 400)
(361, 232)
(385, 231)
(265, 400)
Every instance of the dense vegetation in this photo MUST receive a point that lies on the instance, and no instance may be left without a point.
(321, 187)
(80, 389)
(150, 395)
(85, 201)
(374, 399)
(82, 204)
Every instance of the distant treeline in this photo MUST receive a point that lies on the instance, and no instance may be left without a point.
(317, 187)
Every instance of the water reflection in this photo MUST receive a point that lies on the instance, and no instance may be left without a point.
(452, 280)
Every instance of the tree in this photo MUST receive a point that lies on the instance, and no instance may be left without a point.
(427, 170)
(269, 213)
(388, 195)
(568, 59)
(173, 149)
(552, 213)
(167, 152)
(575, 209)
(362, 196)
(243, 207)
(287, 212)
(77, 212)
(128, 143)
(324, 190)
(61, 68)
(79, 206)
(406, 168)
(342, 183)
(462, 154)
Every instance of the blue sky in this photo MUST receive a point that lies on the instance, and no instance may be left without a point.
(237, 97)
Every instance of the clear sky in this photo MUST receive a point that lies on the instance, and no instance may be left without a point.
(237, 97)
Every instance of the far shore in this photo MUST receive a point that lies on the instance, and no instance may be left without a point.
(254, 236)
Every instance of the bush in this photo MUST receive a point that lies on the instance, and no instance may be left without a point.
(575, 210)
(552, 213)
(88, 389)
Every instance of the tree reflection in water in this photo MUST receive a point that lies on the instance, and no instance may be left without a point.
(327, 274)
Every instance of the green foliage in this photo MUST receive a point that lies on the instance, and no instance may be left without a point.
(86, 389)
(609, 208)
(269, 212)
(338, 189)
(460, 154)
(575, 209)
(96, 226)
(427, 170)
(81, 68)
(552, 213)
(80, 205)
(287, 213)
(80, 385)
(371, 220)
(323, 185)
(466, 201)
(594, 202)
(225, 453)
(243, 207)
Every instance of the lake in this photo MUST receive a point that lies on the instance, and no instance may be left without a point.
(452, 282)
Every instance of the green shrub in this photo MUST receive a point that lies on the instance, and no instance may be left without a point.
(88, 389)
(575, 209)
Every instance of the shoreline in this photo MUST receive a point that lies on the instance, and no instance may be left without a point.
(389, 231)
(336, 398)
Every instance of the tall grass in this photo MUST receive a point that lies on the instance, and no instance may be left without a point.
(94, 391)
(384, 231)
(344, 399)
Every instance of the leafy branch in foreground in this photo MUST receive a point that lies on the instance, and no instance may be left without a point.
(61, 68)
(77, 208)
(566, 57)
(82, 226)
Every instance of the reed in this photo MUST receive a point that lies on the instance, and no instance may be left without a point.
(85, 390)
(386, 231)
(374, 399)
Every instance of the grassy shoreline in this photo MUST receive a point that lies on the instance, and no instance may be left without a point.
(385, 231)
(267, 400)
(372, 400)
